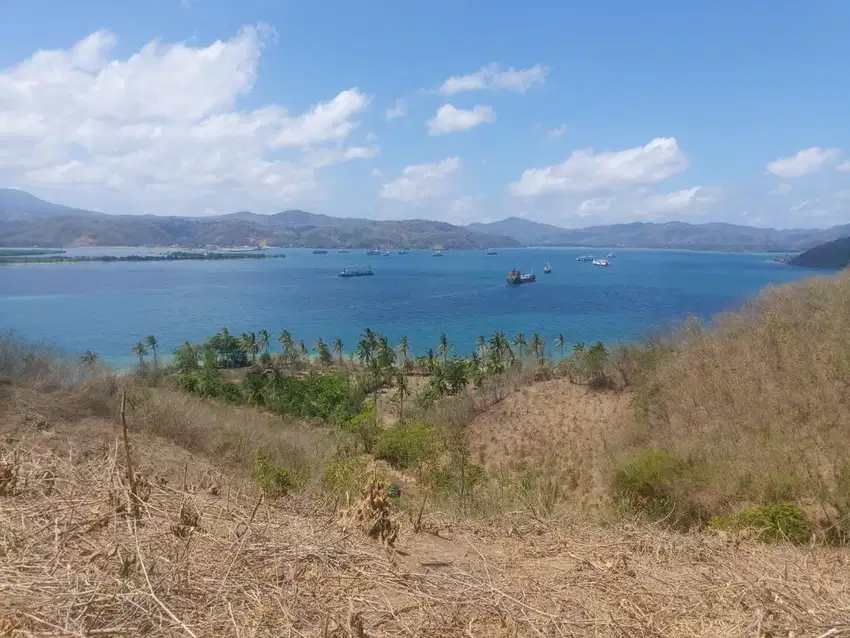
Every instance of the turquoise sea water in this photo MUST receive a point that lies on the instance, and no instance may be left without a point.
(107, 307)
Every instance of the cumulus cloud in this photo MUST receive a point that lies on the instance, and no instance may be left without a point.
(399, 109)
(679, 200)
(492, 77)
(781, 189)
(586, 170)
(419, 182)
(451, 120)
(558, 131)
(805, 162)
(163, 126)
(844, 166)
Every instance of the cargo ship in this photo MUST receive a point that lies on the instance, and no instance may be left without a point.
(356, 272)
(515, 277)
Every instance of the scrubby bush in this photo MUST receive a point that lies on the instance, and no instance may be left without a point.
(406, 446)
(769, 523)
(659, 486)
(275, 480)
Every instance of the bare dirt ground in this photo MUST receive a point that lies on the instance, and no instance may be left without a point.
(552, 425)
(198, 554)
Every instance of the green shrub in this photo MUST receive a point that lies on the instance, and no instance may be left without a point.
(274, 480)
(345, 474)
(406, 446)
(770, 523)
(645, 402)
(659, 486)
(364, 427)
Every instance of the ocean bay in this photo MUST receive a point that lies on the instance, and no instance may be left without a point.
(108, 307)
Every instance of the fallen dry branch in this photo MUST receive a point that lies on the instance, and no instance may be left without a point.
(75, 562)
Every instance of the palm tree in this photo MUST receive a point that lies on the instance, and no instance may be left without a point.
(338, 347)
(287, 346)
(152, 343)
(365, 347)
(520, 343)
(250, 344)
(323, 352)
(538, 346)
(561, 343)
(403, 351)
(89, 358)
(403, 390)
(445, 347)
(481, 346)
(140, 351)
(263, 339)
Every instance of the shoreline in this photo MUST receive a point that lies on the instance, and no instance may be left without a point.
(172, 256)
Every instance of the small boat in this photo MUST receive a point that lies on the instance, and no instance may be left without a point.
(600, 262)
(610, 256)
(342, 250)
(585, 258)
(356, 272)
(373, 251)
(515, 277)
(320, 251)
(402, 252)
(437, 253)
(547, 269)
(386, 253)
(491, 252)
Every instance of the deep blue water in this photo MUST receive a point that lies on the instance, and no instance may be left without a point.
(107, 307)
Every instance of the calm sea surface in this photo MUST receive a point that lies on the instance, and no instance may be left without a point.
(107, 307)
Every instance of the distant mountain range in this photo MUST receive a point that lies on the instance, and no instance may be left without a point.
(26, 220)
(711, 236)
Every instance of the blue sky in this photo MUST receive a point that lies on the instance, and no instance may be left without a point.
(570, 113)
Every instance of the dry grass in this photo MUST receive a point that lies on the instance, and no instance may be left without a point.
(555, 427)
(233, 435)
(221, 562)
(760, 401)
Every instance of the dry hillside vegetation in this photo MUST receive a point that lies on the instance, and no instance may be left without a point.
(555, 427)
(757, 409)
(209, 557)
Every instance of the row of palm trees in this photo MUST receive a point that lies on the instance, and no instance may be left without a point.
(496, 351)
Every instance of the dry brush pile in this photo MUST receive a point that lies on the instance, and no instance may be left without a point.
(97, 549)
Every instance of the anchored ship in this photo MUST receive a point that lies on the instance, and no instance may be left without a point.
(515, 277)
(547, 269)
(356, 272)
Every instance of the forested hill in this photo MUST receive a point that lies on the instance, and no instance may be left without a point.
(833, 255)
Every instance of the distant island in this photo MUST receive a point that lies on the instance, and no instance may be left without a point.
(26, 220)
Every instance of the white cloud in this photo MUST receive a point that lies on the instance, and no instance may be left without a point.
(595, 205)
(451, 120)
(399, 109)
(781, 189)
(845, 167)
(423, 181)
(492, 77)
(558, 131)
(377, 172)
(680, 200)
(845, 194)
(162, 128)
(807, 161)
(587, 171)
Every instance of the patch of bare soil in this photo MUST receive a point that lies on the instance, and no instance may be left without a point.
(552, 425)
